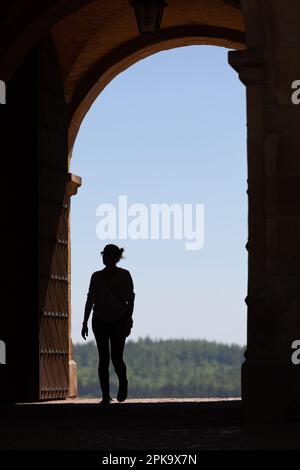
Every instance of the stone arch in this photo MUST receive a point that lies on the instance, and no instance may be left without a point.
(93, 42)
(122, 57)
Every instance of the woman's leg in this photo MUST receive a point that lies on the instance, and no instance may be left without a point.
(117, 342)
(102, 340)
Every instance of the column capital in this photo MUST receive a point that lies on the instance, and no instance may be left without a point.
(249, 65)
(73, 183)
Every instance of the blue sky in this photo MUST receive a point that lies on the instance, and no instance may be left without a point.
(170, 129)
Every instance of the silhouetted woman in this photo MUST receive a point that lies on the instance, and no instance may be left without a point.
(112, 296)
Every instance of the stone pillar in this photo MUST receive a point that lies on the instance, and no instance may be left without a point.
(74, 183)
(268, 68)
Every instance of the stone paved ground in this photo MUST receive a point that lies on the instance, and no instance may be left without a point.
(138, 424)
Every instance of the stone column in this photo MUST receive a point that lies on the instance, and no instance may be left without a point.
(268, 68)
(74, 182)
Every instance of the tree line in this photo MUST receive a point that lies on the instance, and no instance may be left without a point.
(167, 368)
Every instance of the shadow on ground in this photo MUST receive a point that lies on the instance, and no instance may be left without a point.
(138, 424)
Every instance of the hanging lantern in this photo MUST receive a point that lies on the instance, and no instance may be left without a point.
(148, 14)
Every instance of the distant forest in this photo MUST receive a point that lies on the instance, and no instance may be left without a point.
(167, 368)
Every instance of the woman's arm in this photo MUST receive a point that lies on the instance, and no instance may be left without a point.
(130, 307)
(91, 296)
(131, 296)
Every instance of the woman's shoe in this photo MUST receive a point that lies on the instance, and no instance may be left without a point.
(123, 390)
(105, 400)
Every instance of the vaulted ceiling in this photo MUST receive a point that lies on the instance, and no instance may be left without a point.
(97, 39)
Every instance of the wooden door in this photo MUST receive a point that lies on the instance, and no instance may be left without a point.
(53, 228)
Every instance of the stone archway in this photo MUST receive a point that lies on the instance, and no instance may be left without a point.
(91, 43)
(131, 52)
